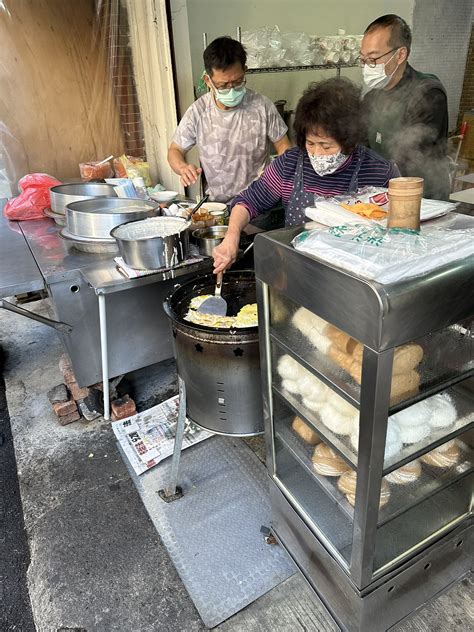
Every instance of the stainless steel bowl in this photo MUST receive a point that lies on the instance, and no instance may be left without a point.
(64, 194)
(209, 238)
(153, 243)
(97, 217)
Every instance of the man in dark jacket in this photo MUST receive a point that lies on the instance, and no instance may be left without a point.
(405, 110)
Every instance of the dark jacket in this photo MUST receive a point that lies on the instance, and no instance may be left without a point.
(409, 125)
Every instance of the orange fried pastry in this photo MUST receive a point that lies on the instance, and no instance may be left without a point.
(327, 462)
(304, 431)
(347, 485)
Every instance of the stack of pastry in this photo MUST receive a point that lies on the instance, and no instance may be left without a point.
(347, 485)
(393, 440)
(304, 431)
(445, 455)
(416, 422)
(313, 327)
(347, 353)
(327, 462)
(406, 474)
(333, 411)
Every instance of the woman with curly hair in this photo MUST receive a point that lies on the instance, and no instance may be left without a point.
(327, 161)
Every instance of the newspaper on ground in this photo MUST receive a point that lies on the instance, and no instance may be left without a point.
(147, 438)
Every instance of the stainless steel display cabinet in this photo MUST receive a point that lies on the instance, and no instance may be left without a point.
(368, 396)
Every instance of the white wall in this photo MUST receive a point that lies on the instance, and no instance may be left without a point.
(316, 17)
(441, 32)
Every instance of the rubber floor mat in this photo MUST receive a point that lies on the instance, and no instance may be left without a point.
(212, 533)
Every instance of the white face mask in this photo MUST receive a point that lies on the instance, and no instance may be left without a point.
(376, 77)
(323, 165)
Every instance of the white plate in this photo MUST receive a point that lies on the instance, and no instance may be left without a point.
(331, 214)
(164, 196)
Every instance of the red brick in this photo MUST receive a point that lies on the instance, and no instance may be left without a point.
(77, 392)
(123, 407)
(69, 377)
(65, 363)
(65, 408)
(68, 419)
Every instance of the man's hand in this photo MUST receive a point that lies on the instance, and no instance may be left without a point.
(189, 174)
(225, 253)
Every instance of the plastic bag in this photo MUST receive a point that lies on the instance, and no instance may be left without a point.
(130, 167)
(94, 171)
(386, 255)
(33, 199)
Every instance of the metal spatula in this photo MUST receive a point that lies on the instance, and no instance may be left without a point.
(215, 305)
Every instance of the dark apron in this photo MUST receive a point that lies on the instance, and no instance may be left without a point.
(300, 199)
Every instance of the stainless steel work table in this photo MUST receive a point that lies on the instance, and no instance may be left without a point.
(18, 270)
(41, 259)
(106, 279)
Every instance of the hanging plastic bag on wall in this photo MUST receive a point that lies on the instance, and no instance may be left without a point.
(33, 199)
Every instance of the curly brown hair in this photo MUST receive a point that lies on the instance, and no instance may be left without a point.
(334, 106)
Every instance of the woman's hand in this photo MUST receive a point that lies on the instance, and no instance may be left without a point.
(226, 253)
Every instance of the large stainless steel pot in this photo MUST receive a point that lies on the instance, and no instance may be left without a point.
(220, 367)
(95, 218)
(153, 243)
(64, 194)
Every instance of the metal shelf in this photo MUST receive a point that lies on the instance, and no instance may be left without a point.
(341, 446)
(336, 378)
(348, 390)
(337, 67)
(402, 497)
(409, 452)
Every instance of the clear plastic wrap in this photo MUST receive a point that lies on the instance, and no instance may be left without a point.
(264, 47)
(375, 253)
(67, 86)
(268, 47)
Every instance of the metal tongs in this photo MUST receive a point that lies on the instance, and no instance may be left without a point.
(199, 204)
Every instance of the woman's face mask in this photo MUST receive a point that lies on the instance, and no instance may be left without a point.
(376, 77)
(325, 164)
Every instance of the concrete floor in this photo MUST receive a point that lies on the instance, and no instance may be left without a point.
(97, 563)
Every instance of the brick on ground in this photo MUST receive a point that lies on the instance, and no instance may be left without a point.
(68, 419)
(65, 363)
(78, 392)
(123, 407)
(65, 408)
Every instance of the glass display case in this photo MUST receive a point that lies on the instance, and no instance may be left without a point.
(369, 412)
